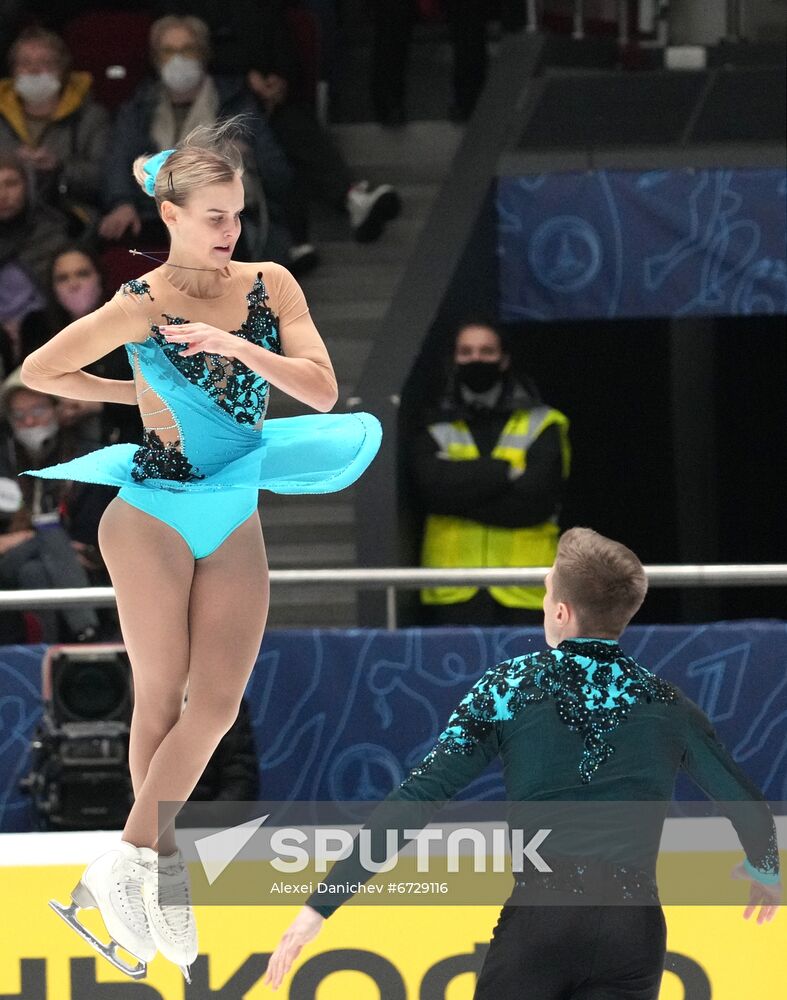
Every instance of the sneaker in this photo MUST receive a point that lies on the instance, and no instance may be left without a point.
(371, 209)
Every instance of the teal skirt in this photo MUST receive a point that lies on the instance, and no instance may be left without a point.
(316, 453)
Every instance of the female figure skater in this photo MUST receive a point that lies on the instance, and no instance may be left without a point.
(182, 541)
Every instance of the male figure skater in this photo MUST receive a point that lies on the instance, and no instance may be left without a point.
(581, 722)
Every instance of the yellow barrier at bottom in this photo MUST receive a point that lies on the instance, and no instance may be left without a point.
(405, 952)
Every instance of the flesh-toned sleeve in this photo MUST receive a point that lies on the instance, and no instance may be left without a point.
(298, 334)
(56, 367)
(304, 371)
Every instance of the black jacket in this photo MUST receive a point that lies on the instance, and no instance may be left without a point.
(81, 505)
(481, 490)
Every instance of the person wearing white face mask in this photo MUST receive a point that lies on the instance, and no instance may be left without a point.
(47, 540)
(50, 121)
(76, 288)
(35, 425)
(162, 112)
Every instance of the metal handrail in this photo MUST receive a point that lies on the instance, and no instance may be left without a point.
(392, 579)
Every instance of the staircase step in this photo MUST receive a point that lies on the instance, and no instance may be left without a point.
(282, 405)
(310, 535)
(318, 508)
(349, 356)
(423, 143)
(311, 595)
(353, 332)
(323, 616)
(355, 310)
(387, 250)
(336, 282)
(416, 171)
(349, 294)
(316, 555)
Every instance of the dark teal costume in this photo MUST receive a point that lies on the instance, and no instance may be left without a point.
(586, 723)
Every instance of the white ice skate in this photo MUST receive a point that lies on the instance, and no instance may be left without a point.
(113, 884)
(167, 898)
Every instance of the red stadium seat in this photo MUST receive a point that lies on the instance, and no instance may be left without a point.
(113, 46)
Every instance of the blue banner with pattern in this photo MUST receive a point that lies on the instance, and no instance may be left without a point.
(344, 715)
(615, 243)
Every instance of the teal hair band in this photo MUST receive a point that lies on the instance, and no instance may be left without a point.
(152, 167)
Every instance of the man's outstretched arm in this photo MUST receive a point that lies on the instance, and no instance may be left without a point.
(711, 766)
(462, 752)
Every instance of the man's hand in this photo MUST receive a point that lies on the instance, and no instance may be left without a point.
(118, 221)
(767, 897)
(304, 928)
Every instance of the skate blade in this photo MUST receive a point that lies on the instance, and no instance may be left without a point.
(186, 970)
(109, 952)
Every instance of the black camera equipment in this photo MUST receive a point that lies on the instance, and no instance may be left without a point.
(79, 777)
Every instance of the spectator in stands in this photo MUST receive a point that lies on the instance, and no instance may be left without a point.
(50, 540)
(75, 289)
(50, 121)
(30, 233)
(490, 464)
(161, 112)
(467, 19)
(253, 37)
(20, 302)
(233, 772)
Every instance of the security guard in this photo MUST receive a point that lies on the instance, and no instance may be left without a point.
(490, 469)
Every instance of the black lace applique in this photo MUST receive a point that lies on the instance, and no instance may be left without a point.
(593, 684)
(593, 687)
(137, 286)
(239, 391)
(155, 459)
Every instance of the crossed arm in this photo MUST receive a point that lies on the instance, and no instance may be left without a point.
(303, 370)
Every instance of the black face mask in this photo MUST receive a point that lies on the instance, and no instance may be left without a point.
(479, 376)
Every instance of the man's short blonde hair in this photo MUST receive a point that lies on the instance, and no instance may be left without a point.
(602, 581)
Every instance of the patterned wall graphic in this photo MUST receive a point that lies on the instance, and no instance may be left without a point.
(606, 244)
(345, 715)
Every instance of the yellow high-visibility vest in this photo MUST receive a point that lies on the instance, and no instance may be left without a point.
(458, 542)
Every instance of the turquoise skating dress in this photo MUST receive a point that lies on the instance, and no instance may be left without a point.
(207, 448)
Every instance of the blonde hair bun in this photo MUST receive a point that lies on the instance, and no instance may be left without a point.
(209, 154)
